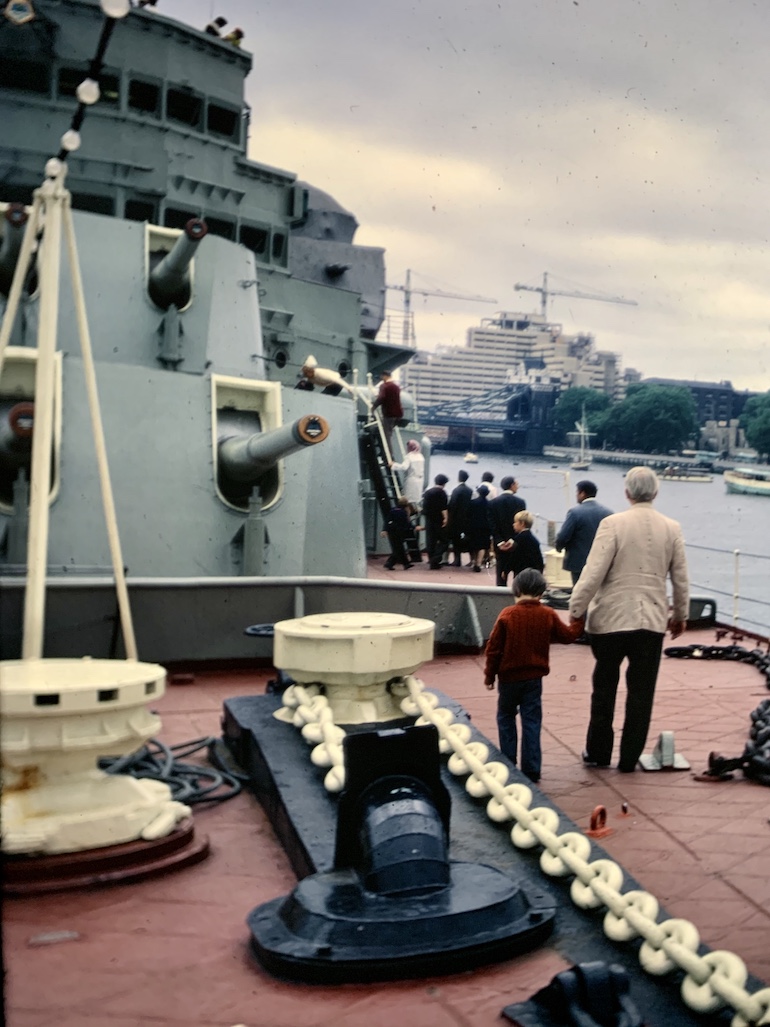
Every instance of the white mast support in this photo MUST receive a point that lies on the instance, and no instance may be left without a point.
(108, 502)
(19, 274)
(50, 194)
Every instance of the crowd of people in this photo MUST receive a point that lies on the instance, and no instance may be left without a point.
(620, 565)
(492, 526)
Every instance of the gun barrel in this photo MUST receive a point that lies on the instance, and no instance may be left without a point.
(169, 281)
(15, 219)
(247, 458)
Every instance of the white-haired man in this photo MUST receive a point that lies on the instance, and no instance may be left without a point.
(623, 591)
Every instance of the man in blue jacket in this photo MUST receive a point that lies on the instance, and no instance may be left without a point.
(579, 528)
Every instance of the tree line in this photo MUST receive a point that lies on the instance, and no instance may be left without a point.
(651, 418)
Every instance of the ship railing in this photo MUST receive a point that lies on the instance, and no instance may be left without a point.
(733, 565)
(712, 576)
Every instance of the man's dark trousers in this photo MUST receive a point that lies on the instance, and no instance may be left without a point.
(642, 649)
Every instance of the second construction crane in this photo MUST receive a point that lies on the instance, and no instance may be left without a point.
(545, 292)
(408, 291)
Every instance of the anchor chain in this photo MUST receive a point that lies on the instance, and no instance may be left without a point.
(755, 760)
(711, 982)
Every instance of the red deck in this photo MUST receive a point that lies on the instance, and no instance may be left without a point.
(173, 951)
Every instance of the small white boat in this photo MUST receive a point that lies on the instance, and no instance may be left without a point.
(583, 460)
(677, 473)
(748, 481)
(471, 458)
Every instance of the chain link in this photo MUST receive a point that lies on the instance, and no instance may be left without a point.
(711, 982)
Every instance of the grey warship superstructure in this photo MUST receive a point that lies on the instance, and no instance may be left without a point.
(214, 286)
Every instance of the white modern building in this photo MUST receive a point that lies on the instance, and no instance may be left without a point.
(513, 346)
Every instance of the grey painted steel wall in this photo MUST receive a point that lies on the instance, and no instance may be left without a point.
(187, 620)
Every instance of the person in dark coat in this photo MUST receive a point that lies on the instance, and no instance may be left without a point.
(214, 28)
(502, 510)
(459, 505)
(398, 528)
(579, 529)
(526, 550)
(434, 510)
(389, 398)
(477, 534)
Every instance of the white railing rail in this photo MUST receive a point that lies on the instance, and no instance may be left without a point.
(737, 561)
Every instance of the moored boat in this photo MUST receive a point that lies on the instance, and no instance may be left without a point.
(748, 481)
(678, 472)
(582, 461)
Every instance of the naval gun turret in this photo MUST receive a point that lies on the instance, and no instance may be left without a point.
(169, 281)
(246, 460)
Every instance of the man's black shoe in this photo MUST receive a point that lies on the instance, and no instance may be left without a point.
(583, 640)
(593, 763)
(626, 770)
(389, 566)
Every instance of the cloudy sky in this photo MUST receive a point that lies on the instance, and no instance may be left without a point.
(620, 145)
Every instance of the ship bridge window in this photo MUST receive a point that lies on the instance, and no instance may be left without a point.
(70, 77)
(93, 204)
(176, 218)
(218, 226)
(141, 209)
(26, 76)
(278, 249)
(254, 239)
(184, 107)
(144, 96)
(223, 121)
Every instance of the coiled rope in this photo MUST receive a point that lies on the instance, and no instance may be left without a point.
(190, 783)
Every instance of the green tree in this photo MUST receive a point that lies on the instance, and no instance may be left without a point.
(569, 408)
(755, 421)
(652, 419)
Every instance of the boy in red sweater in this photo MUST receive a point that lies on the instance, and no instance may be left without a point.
(517, 654)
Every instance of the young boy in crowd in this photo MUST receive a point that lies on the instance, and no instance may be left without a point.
(517, 655)
(526, 550)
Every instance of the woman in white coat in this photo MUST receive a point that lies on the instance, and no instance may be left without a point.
(412, 471)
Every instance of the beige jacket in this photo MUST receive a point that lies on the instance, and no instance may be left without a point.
(623, 584)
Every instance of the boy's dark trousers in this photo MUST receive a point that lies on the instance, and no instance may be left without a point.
(524, 698)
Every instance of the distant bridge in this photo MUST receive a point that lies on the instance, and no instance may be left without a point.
(515, 418)
(489, 410)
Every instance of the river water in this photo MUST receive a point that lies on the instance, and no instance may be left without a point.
(715, 523)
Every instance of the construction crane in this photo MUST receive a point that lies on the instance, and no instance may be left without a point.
(408, 292)
(545, 292)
